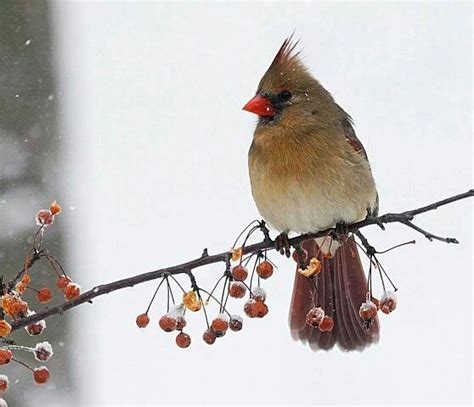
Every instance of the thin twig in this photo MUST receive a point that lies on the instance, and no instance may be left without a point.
(185, 268)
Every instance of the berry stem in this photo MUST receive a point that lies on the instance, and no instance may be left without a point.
(154, 295)
(22, 363)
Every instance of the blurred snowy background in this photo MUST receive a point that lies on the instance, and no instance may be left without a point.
(153, 169)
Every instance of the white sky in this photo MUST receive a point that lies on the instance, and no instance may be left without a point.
(156, 171)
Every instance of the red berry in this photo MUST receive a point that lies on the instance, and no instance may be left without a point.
(44, 295)
(142, 320)
(237, 289)
(19, 309)
(183, 340)
(209, 336)
(368, 311)
(300, 255)
(36, 328)
(44, 217)
(72, 291)
(239, 273)
(5, 356)
(265, 269)
(388, 302)
(314, 317)
(260, 309)
(3, 384)
(235, 323)
(255, 309)
(168, 323)
(41, 375)
(327, 324)
(62, 282)
(5, 328)
(248, 308)
(220, 325)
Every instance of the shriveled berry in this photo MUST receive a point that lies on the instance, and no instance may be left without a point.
(235, 323)
(314, 317)
(237, 254)
(300, 255)
(168, 323)
(220, 325)
(313, 268)
(368, 311)
(72, 291)
(7, 304)
(181, 322)
(142, 320)
(5, 328)
(209, 336)
(191, 301)
(62, 282)
(239, 273)
(259, 294)
(44, 295)
(41, 375)
(327, 324)
(388, 302)
(36, 328)
(43, 351)
(183, 340)
(4, 383)
(5, 356)
(265, 269)
(55, 208)
(237, 289)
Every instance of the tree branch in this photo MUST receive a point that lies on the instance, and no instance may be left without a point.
(205, 259)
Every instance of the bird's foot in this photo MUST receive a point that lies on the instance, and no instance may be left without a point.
(342, 229)
(282, 244)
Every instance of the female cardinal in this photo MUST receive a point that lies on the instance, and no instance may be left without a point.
(309, 172)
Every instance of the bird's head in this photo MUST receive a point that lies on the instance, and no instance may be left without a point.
(288, 92)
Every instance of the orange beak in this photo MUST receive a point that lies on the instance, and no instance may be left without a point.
(260, 105)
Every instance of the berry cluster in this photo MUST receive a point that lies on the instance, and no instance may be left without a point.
(368, 310)
(14, 307)
(237, 284)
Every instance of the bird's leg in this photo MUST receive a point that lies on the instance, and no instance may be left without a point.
(282, 244)
(341, 231)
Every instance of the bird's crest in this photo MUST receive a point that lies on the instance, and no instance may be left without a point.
(286, 70)
(286, 55)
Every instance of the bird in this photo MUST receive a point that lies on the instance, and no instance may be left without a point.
(308, 173)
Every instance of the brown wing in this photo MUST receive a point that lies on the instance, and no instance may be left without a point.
(358, 148)
(352, 138)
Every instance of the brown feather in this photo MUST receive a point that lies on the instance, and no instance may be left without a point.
(340, 290)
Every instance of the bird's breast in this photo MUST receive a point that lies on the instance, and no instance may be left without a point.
(304, 185)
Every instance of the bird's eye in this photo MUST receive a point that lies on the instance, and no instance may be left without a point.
(285, 96)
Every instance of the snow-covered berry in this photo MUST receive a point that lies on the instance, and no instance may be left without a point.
(43, 351)
(314, 317)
